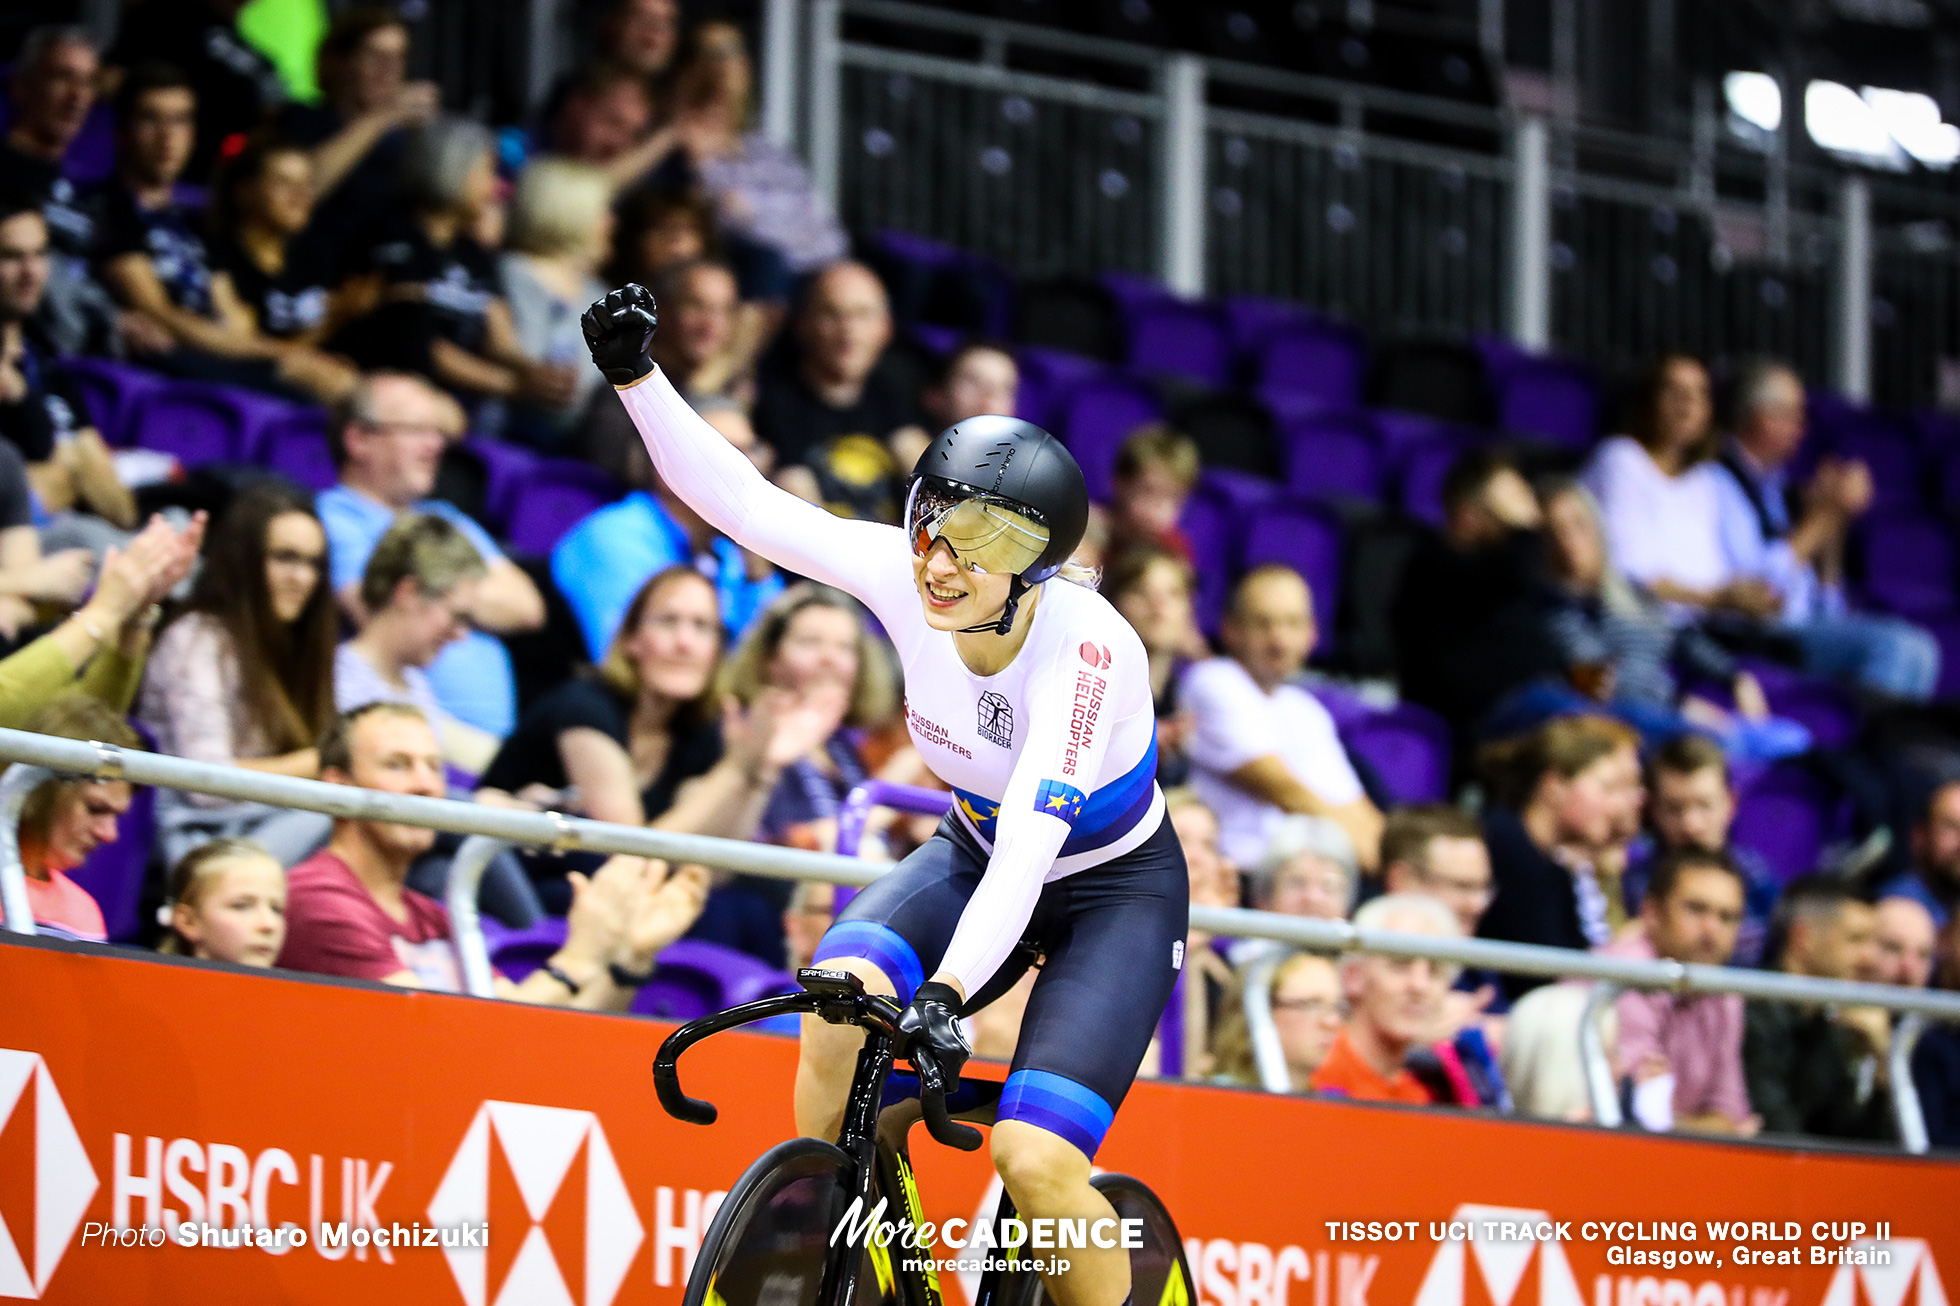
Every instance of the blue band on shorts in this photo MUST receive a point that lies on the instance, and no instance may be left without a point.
(879, 944)
(1061, 1106)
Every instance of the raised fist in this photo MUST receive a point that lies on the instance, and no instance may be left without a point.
(618, 330)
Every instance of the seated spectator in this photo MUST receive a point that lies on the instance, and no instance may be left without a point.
(63, 821)
(812, 905)
(762, 190)
(1659, 492)
(1394, 1004)
(354, 135)
(1152, 589)
(1620, 648)
(1811, 1069)
(602, 562)
(560, 227)
(810, 656)
(1691, 808)
(152, 258)
(640, 35)
(1933, 879)
(1262, 747)
(243, 675)
(708, 339)
(1556, 799)
(838, 406)
(350, 912)
(1156, 470)
(417, 589)
(1214, 883)
(1904, 937)
(1798, 558)
(426, 297)
(99, 649)
(641, 739)
(27, 576)
(387, 441)
(53, 90)
(1307, 870)
(1304, 992)
(272, 278)
(1437, 851)
(236, 84)
(1691, 914)
(1936, 1058)
(1470, 617)
(977, 378)
(42, 414)
(600, 119)
(227, 903)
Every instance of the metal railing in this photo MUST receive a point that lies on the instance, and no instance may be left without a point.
(1062, 152)
(68, 757)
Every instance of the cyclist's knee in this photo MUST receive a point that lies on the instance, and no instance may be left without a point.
(873, 975)
(1035, 1164)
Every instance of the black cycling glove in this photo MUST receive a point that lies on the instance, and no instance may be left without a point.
(618, 330)
(932, 1024)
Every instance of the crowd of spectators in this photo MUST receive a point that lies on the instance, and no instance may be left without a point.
(1585, 636)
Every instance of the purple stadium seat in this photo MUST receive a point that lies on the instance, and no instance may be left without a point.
(1409, 747)
(1249, 319)
(1786, 816)
(1095, 418)
(1824, 707)
(1551, 398)
(941, 341)
(1344, 705)
(1132, 291)
(1936, 430)
(507, 467)
(516, 953)
(1240, 491)
(1181, 339)
(1047, 375)
(1290, 406)
(1211, 524)
(1321, 359)
(111, 391)
(1888, 449)
(1338, 453)
(1307, 538)
(204, 423)
(556, 497)
(693, 978)
(113, 873)
(295, 446)
(1947, 631)
(1909, 566)
(1420, 478)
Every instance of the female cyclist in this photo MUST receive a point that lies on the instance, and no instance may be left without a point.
(1031, 698)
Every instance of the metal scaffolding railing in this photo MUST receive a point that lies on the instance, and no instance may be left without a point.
(500, 826)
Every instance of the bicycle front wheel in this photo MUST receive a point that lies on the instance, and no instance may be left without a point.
(767, 1244)
(1158, 1273)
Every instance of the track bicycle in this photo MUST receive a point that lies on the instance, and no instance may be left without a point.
(771, 1242)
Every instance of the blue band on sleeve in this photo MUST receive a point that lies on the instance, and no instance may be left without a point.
(1063, 801)
(879, 944)
(1061, 1106)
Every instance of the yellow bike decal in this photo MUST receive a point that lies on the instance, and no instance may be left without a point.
(881, 1261)
(917, 1211)
(1175, 1292)
(712, 1298)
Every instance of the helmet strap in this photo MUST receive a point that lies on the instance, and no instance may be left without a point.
(1004, 624)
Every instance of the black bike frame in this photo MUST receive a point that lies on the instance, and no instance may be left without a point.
(875, 1133)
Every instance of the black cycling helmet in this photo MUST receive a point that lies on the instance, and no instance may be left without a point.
(1029, 503)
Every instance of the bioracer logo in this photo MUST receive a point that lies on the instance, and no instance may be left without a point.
(52, 1199)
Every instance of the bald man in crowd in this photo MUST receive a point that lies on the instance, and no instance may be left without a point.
(839, 405)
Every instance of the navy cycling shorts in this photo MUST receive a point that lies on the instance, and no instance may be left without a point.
(1111, 939)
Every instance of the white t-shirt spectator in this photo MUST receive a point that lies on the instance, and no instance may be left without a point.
(1659, 527)
(356, 684)
(1236, 722)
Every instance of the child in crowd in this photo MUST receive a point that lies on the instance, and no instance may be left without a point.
(227, 903)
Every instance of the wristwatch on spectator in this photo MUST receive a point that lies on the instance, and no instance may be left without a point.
(626, 979)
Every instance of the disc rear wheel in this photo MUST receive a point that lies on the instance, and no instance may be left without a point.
(1158, 1273)
(768, 1243)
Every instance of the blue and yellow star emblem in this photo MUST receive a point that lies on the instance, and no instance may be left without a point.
(1059, 800)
